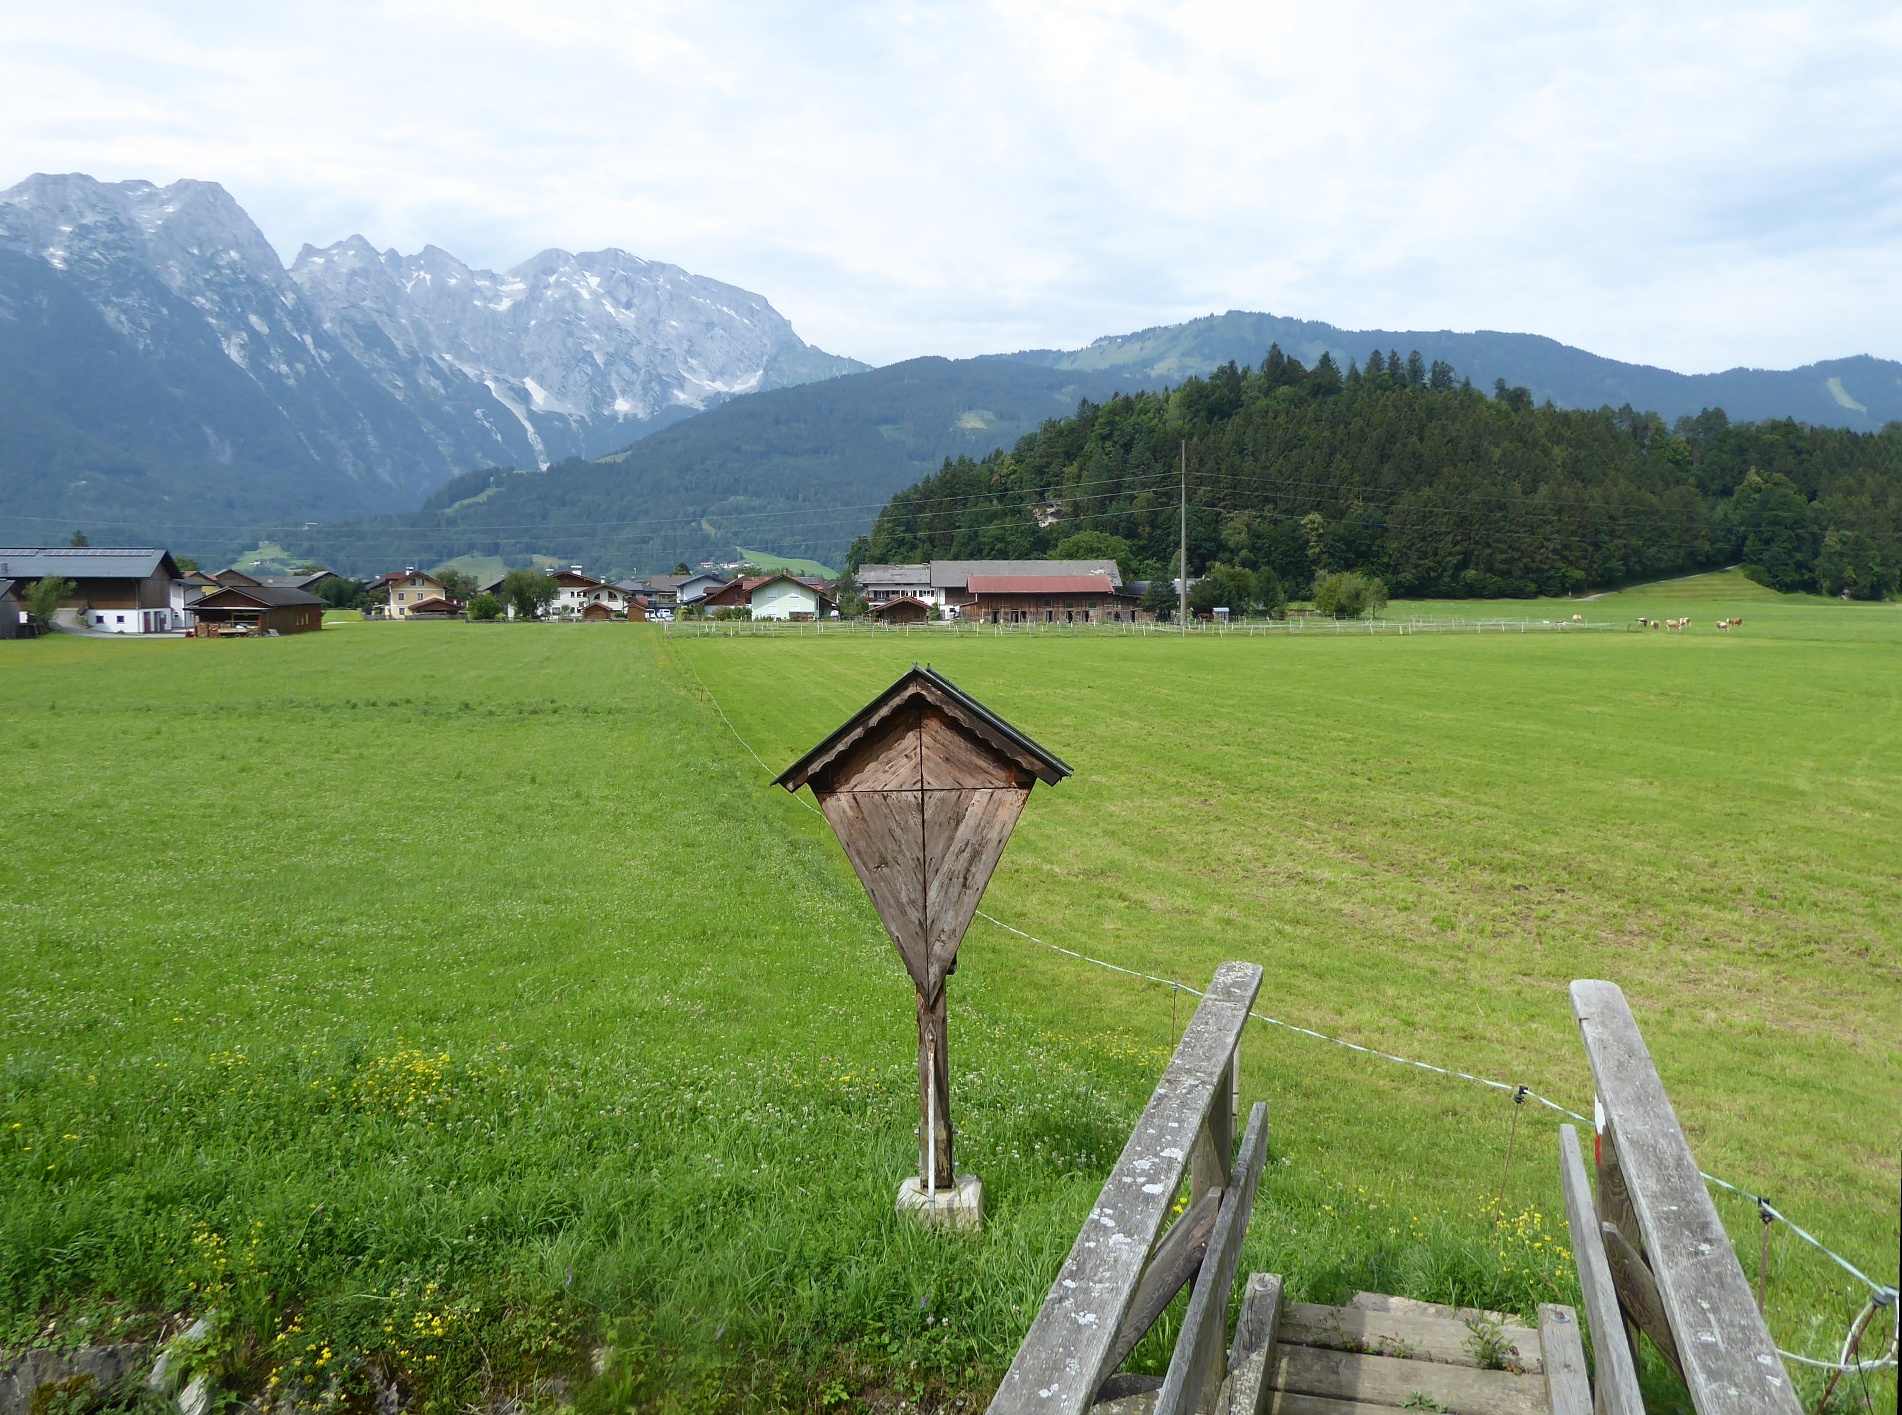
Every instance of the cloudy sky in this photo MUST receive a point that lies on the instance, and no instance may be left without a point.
(1693, 185)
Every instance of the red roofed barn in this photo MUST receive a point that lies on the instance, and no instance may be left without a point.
(1047, 599)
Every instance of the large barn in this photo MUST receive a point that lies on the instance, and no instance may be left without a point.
(116, 589)
(1048, 599)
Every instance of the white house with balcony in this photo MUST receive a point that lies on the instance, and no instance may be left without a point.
(783, 597)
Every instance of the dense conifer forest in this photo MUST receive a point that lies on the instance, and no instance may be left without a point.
(1406, 472)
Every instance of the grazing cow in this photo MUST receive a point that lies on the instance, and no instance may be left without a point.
(1578, 618)
(1736, 623)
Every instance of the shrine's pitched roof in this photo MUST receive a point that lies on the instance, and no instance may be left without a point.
(935, 688)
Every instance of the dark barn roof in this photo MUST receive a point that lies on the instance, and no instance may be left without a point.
(942, 693)
(86, 562)
(255, 597)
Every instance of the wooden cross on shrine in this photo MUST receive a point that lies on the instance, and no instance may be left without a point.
(923, 786)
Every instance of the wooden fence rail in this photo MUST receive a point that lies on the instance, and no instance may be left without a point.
(1657, 1233)
(1118, 1278)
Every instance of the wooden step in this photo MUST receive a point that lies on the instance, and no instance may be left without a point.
(1384, 1302)
(1381, 1356)
(1283, 1402)
(1403, 1334)
(1394, 1381)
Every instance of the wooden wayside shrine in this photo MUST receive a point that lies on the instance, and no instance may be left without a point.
(923, 786)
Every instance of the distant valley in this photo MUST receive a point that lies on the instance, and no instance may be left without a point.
(164, 377)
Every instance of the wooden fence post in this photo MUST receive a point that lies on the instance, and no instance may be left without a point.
(1615, 1389)
(935, 1133)
(1198, 1364)
(1081, 1332)
(1731, 1366)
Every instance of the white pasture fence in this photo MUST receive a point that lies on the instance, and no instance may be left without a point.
(1294, 626)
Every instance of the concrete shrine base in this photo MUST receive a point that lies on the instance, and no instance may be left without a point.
(958, 1207)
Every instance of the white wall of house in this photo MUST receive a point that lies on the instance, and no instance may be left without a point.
(575, 598)
(784, 598)
(131, 621)
(183, 598)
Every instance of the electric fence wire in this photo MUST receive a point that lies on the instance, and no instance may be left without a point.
(1880, 1295)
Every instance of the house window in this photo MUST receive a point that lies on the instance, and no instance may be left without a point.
(118, 619)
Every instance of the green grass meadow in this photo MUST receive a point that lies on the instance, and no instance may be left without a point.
(457, 1005)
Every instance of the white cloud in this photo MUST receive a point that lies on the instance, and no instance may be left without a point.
(1697, 186)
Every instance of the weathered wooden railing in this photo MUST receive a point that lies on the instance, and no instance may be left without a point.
(1652, 1254)
(1124, 1269)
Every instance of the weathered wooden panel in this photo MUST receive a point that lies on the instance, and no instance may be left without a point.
(889, 757)
(955, 760)
(965, 833)
(1616, 1390)
(993, 731)
(1445, 1339)
(1730, 1363)
(1392, 1381)
(885, 831)
(1567, 1390)
(1062, 1361)
(1196, 1366)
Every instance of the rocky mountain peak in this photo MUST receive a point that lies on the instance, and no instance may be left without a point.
(400, 369)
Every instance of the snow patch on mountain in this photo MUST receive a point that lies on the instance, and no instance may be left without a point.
(582, 349)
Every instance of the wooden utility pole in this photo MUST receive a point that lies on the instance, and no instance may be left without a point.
(1182, 613)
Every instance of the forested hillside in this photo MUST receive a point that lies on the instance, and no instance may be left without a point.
(1407, 472)
(797, 471)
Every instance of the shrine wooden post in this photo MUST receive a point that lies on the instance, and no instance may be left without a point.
(923, 786)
